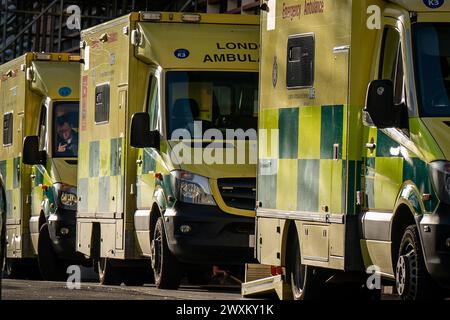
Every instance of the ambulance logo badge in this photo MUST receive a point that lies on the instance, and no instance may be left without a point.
(65, 91)
(433, 4)
(181, 53)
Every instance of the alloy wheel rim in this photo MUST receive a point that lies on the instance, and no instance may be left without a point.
(406, 272)
(298, 274)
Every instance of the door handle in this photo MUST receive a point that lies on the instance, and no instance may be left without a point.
(371, 146)
(32, 176)
(139, 162)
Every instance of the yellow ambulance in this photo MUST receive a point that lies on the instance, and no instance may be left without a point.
(354, 151)
(38, 162)
(145, 76)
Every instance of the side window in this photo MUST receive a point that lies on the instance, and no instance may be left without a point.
(399, 80)
(43, 128)
(8, 129)
(153, 102)
(300, 61)
(102, 103)
(391, 64)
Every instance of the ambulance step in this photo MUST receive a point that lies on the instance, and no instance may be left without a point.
(265, 287)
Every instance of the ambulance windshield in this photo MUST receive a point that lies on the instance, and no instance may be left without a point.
(65, 134)
(202, 100)
(432, 64)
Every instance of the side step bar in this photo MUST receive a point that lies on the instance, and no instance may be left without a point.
(269, 286)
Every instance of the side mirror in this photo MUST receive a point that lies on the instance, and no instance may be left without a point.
(141, 136)
(380, 110)
(31, 154)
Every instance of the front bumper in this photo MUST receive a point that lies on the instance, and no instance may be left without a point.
(62, 229)
(216, 238)
(435, 234)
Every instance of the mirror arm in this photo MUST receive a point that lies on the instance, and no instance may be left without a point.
(43, 157)
(402, 116)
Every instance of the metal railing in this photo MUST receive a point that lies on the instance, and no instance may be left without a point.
(32, 25)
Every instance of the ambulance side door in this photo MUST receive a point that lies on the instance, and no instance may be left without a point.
(146, 167)
(37, 179)
(383, 159)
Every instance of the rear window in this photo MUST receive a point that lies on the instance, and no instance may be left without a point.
(300, 61)
(7, 129)
(102, 103)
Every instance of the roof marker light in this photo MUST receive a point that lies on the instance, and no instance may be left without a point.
(151, 16)
(190, 17)
(43, 56)
(75, 58)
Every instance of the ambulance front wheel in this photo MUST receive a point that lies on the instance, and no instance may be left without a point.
(166, 267)
(108, 274)
(13, 269)
(51, 267)
(21, 269)
(412, 279)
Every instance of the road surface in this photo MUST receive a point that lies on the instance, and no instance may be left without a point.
(45, 290)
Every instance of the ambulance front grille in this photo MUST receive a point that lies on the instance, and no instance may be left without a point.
(238, 193)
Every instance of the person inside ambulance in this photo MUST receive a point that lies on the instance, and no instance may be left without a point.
(67, 138)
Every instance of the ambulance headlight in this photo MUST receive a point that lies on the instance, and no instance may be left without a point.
(67, 196)
(440, 175)
(191, 188)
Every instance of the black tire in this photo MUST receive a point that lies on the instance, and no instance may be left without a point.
(52, 268)
(137, 276)
(108, 274)
(412, 279)
(306, 283)
(13, 269)
(166, 267)
(199, 275)
(18, 269)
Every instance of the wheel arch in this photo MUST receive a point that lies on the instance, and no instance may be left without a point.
(403, 218)
(289, 231)
(155, 214)
(42, 219)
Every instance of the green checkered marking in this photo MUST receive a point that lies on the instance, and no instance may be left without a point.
(94, 158)
(83, 192)
(16, 178)
(267, 187)
(308, 185)
(114, 163)
(288, 134)
(3, 169)
(103, 195)
(331, 131)
(413, 169)
(309, 136)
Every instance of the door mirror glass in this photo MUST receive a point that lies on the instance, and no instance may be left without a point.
(380, 110)
(31, 153)
(141, 136)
